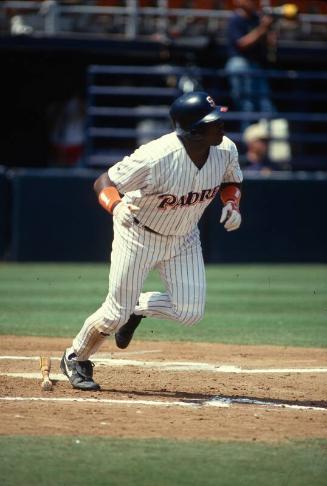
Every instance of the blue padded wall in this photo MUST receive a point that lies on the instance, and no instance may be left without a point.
(4, 212)
(56, 217)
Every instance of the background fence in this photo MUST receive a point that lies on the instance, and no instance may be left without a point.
(55, 217)
(4, 212)
(128, 105)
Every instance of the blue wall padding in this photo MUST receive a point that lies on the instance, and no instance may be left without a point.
(56, 217)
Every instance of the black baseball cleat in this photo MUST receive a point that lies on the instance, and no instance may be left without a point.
(124, 335)
(79, 373)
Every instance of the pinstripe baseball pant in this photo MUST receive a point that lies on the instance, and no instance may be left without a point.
(136, 251)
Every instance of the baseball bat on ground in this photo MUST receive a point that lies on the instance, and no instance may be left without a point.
(45, 367)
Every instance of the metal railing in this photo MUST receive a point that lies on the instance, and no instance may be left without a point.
(51, 16)
(116, 109)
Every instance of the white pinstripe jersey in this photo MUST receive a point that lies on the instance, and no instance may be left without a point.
(171, 192)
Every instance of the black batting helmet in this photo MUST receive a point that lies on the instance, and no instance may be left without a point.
(192, 111)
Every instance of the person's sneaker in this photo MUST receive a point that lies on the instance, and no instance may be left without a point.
(79, 373)
(124, 335)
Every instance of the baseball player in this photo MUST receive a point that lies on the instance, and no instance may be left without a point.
(157, 196)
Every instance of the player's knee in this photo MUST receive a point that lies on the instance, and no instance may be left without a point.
(114, 322)
(114, 310)
(110, 321)
(189, 318)
(195, 318)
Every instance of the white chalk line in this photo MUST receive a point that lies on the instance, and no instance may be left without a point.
(213, 402)
(181, 365)
(32, 376)
(129, 353)
(152, 403)
(196, 403)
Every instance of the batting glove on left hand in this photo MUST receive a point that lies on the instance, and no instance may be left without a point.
(124, 213)
(231, 216)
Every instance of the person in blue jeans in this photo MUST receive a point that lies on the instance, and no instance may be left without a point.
(248, 36)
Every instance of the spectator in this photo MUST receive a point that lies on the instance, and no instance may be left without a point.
(67, 132)
(258, 154)
(248, 37)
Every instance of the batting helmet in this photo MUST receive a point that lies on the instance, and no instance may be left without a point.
(192, 111)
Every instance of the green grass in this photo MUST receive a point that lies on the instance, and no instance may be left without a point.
(264, 304)
(246, 304)
(100, 461)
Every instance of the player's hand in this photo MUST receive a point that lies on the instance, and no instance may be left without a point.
(124, 213)
(231, 216)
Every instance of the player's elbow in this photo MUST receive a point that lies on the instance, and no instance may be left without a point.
(101, 182)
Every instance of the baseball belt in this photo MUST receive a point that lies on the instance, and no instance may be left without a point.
(136, 221)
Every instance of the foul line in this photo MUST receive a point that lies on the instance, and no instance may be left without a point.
(180, 365)
(196, 403)
(152, 403)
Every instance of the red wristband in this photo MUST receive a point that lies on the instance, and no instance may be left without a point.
(231, 194)
(109, 197)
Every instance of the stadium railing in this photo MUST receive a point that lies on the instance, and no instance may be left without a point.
(132, 20)
(128, 105)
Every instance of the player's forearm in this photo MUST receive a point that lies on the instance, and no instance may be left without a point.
(230, 195)
(231, 192)
(108, 195)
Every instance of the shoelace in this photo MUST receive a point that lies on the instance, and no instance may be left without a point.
(85, 368)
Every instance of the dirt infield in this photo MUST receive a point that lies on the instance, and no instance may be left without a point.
(170, 390)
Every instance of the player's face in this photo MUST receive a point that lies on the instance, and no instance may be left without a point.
(214, 132)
